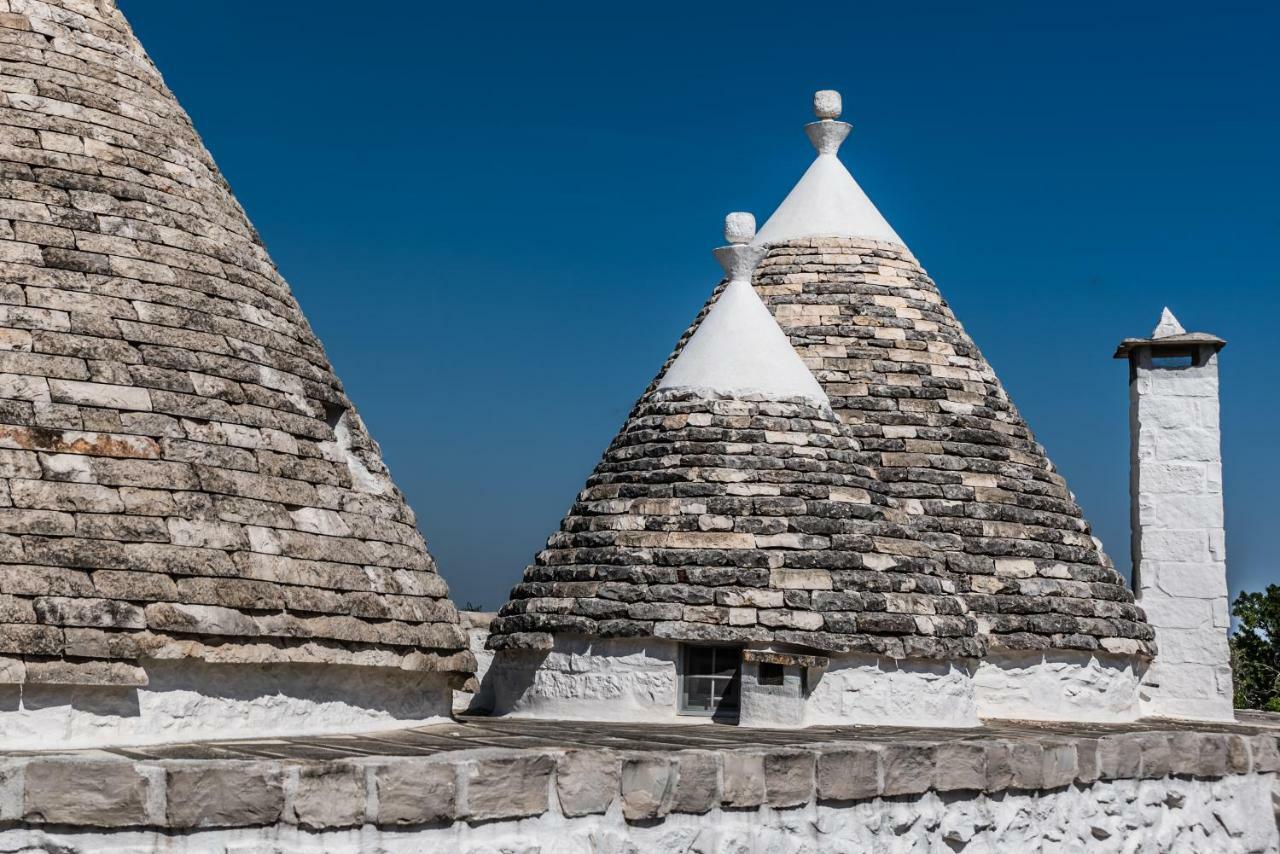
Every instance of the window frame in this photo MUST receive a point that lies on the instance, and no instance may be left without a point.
(719, 709)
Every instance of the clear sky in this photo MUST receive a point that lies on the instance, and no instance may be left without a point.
(499, 217)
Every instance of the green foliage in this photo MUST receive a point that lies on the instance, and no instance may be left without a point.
(1255, 650)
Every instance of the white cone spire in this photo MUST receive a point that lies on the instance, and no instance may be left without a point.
(739, 350)
(1168, 325)
(827, 202)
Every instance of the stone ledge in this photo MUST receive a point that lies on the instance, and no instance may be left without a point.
(97, 790)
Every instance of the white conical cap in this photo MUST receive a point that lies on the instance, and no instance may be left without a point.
(739, 350)
(827, 202)
(1168, 325)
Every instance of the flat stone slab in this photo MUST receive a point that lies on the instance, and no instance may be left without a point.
(487, 769)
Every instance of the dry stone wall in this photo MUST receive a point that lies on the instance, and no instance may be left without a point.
(1170, 791)
(181, 473)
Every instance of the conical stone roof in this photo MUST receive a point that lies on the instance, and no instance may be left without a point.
(734, 507)
(919, 396)
(986, 549)
(183, 475)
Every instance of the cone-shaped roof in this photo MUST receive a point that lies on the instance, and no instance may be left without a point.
(985, 547)
(183, 475)
(734, 507)
(947, 442)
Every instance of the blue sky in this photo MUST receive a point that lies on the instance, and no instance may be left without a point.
(498, 217)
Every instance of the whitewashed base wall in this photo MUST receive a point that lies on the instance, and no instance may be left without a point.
(1233, 815)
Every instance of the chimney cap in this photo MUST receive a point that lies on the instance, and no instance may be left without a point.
(1168, 336)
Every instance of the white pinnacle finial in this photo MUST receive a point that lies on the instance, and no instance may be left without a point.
(740, 257)
(739, 227)
(827, 134)
(1168, 325)
(827, 104)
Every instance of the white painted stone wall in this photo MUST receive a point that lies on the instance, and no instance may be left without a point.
(1233, 815)
(610, 679)
(636, 679)
(863, 689)
(1179, 552)
(191, 699)
(1058, 686)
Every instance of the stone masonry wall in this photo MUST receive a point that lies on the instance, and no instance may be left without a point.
(1168, 791)
(1179, 545)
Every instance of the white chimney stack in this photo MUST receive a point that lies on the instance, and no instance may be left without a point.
(1179, 552)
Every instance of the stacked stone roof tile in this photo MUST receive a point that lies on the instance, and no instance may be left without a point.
(183, 474)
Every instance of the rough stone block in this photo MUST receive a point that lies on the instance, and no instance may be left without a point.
(225, 794)
(908, 768)
(1238, 759)
(508, 787)
(960, 766)
(1120, 757)
(1060, 764)
(698, 782)
(1087, 760)
(999, 766)
(743, 779)
(848, 773)
(789, 778)
(587, 781)
(647, 786)
(1266, 753)
(1026, 761)
(415, 792)
(85, 793)
(327, 795)
(1156, 756)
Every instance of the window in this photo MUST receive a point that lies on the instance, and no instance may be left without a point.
(710, 681)
(772, 674)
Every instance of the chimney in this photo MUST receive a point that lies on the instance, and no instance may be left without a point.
(1179, 553)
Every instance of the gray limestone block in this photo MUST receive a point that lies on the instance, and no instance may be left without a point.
(326, 795)
(1238, 758)
(743, 779)
(1087, 760)
(1156, 755)
(1026, 761)
(414, 792)
(698, 784)
(224, 794)
(85, 793)
(587, 781)
(999, 766)
(1120, 757)
(648, 784)
(908, 768)
(508, 787)
(1060, 764)
(960, 766)
(789, 778)
(1266, 753)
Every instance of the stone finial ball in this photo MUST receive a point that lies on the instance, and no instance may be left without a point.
(827, 104)
(739, 227)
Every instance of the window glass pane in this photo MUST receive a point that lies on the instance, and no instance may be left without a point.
(697, 694)
(771, 674)
(726, 699)
(726, 662)
(700, 660)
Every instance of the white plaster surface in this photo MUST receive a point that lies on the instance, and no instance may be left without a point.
(740, 351)
(827, 202)
(609, 679)
(190, 699)
(1057, 686)
(1233, 815)
(1179, 541)
(864, 689)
